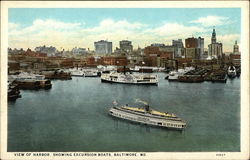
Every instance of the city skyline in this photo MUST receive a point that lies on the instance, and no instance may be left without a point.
(69, 28)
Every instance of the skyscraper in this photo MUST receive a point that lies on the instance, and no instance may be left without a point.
(126, 46)
(103, 47)
(178, 45)
(215, 48)
(200, 46)
(191, 50)
(191, 42)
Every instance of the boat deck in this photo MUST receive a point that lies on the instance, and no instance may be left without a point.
(153, 112)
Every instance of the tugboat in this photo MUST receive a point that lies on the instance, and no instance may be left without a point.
(129, 78)
(231, 72)
(147, 116)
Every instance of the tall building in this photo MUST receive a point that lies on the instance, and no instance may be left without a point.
(192, 50)
(200, 45)
(236, 48)
(126, 46)
(191, 53)
(178, 48)
(50, 51)
(158, 45)
(103, 47)
(191, 42)
(215, 48)
(79, 50)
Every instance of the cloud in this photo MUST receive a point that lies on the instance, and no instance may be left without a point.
(175, 29)
(112, 26)
(12, 26)
(211, 21)
(67, 35)
(228, 39)
(40, 25)
(58, 33)
(54, 24)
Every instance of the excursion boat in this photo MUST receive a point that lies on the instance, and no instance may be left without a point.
(231, 72)
(128, 78)
(148, 116)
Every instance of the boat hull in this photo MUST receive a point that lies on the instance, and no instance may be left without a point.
(122, 82)
(232, 75)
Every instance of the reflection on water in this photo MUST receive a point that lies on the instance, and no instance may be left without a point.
(72, 116)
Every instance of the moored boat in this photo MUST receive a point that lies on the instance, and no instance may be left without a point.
(128, 78)
(174, 75)
(13, 92)
(30, 81)
(148, 116)
(231, 72)
(77, 73)
(90, 73)
(191, 78)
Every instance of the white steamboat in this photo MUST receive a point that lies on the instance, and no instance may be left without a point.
(128, 78)
(148, 116)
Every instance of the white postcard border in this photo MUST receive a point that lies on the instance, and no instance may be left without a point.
(244, 5)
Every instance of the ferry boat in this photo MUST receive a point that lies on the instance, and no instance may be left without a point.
(148, 116)
(128, 78)
(231, 72)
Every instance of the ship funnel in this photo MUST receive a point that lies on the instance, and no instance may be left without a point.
(147, 108)
(143, 102)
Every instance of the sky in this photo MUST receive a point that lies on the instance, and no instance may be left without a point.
(66, 28)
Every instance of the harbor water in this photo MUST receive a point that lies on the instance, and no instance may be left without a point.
(73, 116)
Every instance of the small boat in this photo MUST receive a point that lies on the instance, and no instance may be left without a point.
(174, 75)
(77, 73)
(90, 73)
(231, 72)
(129, 78)
(148, 116)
